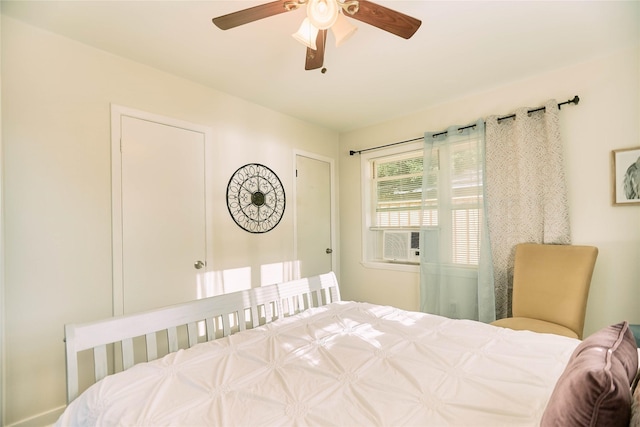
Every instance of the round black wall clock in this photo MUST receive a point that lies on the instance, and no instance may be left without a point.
(255, 198)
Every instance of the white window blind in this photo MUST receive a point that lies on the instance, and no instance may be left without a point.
(398, 190)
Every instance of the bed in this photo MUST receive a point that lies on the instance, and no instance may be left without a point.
(296, 354)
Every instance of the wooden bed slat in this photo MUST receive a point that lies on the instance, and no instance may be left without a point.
(226, 327)
(152, 346)
(246, 308)
(101, 366)
(290, 309)
(172, 339)
(255, 316)
(192, 333)
(127, 353)
(211, 331)
(268, 313)
(242, 322)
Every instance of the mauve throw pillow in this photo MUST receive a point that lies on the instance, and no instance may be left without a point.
(594, 389)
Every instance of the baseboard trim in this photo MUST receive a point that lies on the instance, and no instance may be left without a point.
(41, 420)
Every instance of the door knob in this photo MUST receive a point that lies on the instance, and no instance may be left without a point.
(198, 264)
(329, 251)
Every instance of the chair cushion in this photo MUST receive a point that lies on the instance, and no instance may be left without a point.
(594, 389)
(523, 323)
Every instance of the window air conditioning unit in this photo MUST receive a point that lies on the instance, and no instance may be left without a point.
(401, 246)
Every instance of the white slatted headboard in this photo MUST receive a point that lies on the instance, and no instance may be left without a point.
(219, 316)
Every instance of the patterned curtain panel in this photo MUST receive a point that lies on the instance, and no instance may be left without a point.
(525, 191)
(456, 278)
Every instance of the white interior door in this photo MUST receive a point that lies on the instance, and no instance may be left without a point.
(314, 210)
(162, 213)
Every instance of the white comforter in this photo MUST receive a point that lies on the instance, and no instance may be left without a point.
(345, 364)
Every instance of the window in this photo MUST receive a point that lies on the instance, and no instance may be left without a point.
(397, 190)
(393, 202)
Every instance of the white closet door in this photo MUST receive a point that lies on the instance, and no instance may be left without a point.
(163, 213)
(313, 212)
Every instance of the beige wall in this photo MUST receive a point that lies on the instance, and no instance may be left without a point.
(56, 139)
(605, 119)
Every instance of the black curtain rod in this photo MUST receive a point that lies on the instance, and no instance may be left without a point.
(575, 101)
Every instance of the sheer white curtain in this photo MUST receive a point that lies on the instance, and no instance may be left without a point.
(526, 193)
(456, 278)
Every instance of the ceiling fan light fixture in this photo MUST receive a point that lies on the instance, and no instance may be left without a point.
(307, 34)
(322, 13)
(342, 30)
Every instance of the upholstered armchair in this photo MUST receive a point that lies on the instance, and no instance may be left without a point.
(550, 288)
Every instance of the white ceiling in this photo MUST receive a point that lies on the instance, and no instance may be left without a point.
(461, 47)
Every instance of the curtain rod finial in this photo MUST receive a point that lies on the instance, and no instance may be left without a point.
(575, 100)
(351, 152)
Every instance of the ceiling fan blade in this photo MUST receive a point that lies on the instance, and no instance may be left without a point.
(386, 19)
(315, 58)
(255, 13)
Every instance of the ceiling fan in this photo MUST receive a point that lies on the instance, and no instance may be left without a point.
(322, 15)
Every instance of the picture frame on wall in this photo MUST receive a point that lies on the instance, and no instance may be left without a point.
(625, 170)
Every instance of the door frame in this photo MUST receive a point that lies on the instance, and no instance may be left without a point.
(332, 215)
(117, 112)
